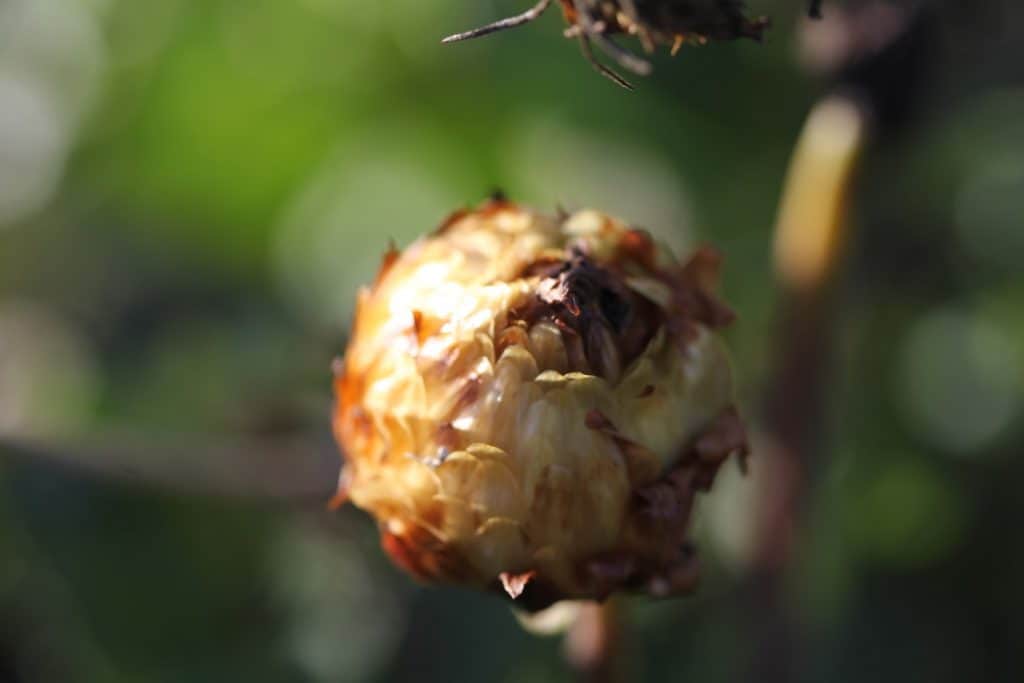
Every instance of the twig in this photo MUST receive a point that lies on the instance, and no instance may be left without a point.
(295, 469)
(502, 24)
(623, 57)
(588, 54)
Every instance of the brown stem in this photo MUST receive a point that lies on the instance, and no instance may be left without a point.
(811, 235)
(593, 646)
(879, 51)
(295, 469)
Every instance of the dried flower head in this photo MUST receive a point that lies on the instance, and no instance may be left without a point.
(653, 22)
(531, 403)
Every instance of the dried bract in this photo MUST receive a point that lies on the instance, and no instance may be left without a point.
(531, 403)
(652, 22)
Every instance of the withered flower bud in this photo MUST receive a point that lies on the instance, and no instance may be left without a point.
(653, 22)
(531, 403)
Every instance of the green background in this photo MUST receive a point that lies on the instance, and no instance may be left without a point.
(192, 190)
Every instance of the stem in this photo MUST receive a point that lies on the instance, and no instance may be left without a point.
(593, 646)
(811, 236)
(296, 469)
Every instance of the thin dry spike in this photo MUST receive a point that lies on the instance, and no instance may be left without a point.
(631, 12)
(678, 44)
(635, 26)
(622, 56)
(511, 22)
(588, 54)
(629, 9)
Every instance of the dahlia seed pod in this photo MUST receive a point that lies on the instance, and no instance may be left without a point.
(530, 403)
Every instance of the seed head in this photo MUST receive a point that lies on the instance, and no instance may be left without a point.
(530, 403)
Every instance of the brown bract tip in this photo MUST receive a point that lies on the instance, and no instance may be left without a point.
(698, 281)
(341, 495)
(726, 435)
(450, 220)
(515, 584)
(386, 262)
(605, 324)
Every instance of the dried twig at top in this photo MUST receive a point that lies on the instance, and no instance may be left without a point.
(652, 22)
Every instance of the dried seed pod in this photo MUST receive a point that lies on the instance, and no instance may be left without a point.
(653, 22)
(530, 404)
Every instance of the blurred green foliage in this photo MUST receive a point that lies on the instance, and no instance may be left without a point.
(192, 190)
